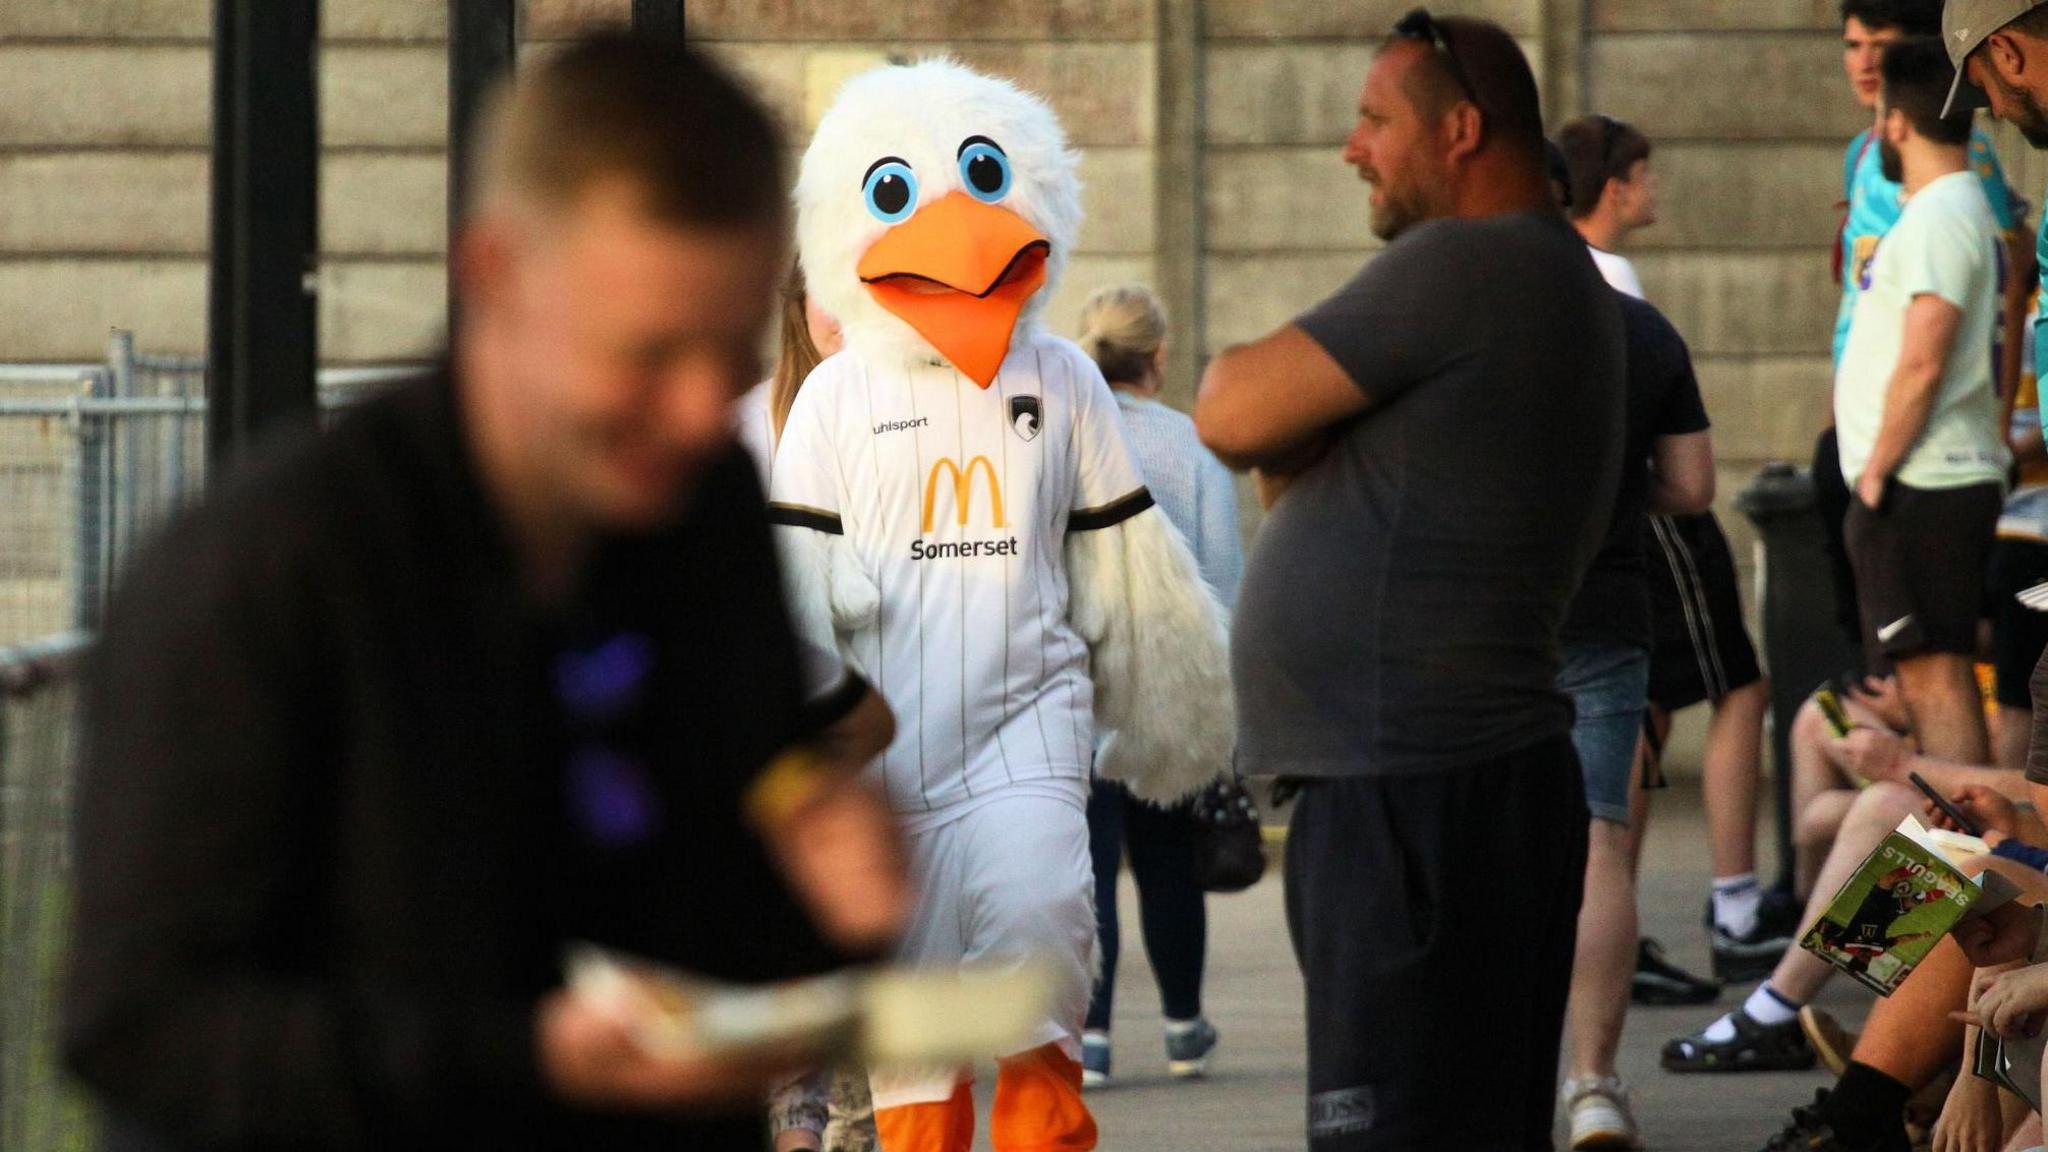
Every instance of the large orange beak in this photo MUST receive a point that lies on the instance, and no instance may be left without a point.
(959, 272)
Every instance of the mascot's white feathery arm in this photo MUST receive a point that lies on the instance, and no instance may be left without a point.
(1159, 641)
(830, 595)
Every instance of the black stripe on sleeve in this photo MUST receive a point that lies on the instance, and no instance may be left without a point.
(824, 711)
(800, 516)
(1111, 514)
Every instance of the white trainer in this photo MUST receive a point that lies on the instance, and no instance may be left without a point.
(1600, 1115)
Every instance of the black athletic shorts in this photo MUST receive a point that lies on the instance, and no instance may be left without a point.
(1433, 916)
(1702, 650)
(1920, 566)
(2018, 634)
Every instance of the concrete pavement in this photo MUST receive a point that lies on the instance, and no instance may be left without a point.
(1253, 1101)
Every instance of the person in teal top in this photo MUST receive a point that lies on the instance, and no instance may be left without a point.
(1874, 207)
(2041, 314)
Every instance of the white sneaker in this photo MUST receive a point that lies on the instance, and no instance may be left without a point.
(1094, 1059)
(1600, 1115)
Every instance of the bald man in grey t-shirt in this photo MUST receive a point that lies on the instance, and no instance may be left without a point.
(1449, 428)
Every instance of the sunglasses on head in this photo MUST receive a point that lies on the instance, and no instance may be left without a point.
(1420, 26)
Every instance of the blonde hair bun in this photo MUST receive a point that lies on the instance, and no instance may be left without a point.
(1122, 329)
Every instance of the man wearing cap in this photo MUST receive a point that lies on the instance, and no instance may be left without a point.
(2000, 51)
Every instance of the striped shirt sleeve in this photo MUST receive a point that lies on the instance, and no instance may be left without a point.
(1108, 488)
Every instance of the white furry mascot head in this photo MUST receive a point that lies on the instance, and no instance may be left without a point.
(936, 209)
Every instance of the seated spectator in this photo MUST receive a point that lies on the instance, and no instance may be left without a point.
(1764, 1034)
(1912, 1037)
(1823, 790)
(2019, 561)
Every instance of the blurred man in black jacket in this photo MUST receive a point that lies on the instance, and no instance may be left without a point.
(497, 665)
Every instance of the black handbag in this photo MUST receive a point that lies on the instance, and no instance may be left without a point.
(1230, 850)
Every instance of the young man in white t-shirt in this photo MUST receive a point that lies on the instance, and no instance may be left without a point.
(1614, 192)
(1917, 411)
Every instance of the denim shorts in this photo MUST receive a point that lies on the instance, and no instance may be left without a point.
(1608, 684)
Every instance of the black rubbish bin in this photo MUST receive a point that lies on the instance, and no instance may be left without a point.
(1803, 644)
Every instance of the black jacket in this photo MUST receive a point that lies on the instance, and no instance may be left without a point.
(331, 841)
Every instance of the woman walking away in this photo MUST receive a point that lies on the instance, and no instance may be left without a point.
(1124, 330)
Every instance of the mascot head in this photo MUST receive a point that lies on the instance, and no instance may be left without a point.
(936, 209)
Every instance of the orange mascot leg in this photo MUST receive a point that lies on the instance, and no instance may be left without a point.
(944, 1126)
(1038, 1104)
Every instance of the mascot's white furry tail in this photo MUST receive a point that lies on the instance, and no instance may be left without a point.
(1159, 642)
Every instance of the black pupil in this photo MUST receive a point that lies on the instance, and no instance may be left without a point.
(985, 173)
(892, 193)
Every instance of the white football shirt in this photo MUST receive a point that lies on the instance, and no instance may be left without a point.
(1945, 244)
(957, 501)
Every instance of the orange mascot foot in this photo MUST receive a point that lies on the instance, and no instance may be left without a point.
(944, 1126)
(1038, 1104)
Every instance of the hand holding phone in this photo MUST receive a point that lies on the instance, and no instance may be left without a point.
(1963, 823)
(1830, 705)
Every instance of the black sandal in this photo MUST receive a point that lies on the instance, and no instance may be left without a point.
(1754, 1048)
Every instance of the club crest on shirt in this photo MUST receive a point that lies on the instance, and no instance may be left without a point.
(1025, 416)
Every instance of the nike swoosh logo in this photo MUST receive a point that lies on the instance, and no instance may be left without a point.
(1885, 634)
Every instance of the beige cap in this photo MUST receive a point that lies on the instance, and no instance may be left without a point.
(1965, 25)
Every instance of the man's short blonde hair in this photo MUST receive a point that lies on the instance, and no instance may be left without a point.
(702, 149)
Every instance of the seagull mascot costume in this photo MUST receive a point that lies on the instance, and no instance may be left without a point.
(961, 516)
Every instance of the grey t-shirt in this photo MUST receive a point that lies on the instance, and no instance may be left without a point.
(1402, 605)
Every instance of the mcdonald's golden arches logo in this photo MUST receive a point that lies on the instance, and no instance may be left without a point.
(963, 491)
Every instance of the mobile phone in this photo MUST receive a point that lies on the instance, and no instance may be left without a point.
(1831, 707)
(1969, 826)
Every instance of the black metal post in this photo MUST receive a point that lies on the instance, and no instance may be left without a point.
(1802, 643)
(659, 19)
(262, 326)
(482, 46)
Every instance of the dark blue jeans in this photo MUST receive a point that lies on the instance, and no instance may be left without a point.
(1161, 843)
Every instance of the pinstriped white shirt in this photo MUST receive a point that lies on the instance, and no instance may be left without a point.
(957, 500)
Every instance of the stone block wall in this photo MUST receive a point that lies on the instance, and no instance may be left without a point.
(1237, 205)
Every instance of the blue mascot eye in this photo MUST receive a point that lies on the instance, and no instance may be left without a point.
(984, 169)
(891, 190)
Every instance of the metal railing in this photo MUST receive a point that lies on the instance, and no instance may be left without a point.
(38, 686)
(93, 459)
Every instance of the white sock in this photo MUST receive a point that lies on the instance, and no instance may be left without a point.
(1736, 900)
(1764, 1006)
(1182, 1027)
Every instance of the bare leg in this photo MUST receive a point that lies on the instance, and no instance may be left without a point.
(1732, 763)
(2015, 731)
(1940, 690)
(1604, 964)
(1909, 1036)
(1814, 833)
(1812, 772)
(1876, 811)
(1638, 797)
(1820, 795)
